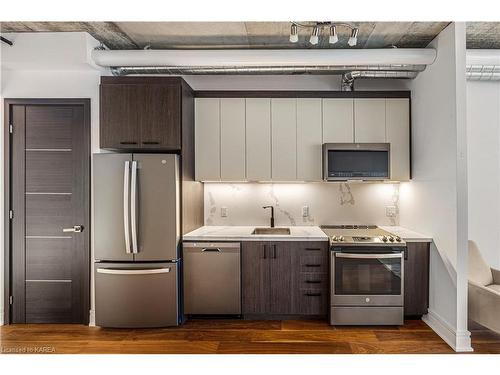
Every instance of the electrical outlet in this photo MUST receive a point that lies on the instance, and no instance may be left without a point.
(305, 211)
(223, 212)
(390, 211)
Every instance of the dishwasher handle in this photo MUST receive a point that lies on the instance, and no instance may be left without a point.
(211, 249)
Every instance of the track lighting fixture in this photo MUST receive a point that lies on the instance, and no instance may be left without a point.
(294, 33)
(333, 38)
(317, 29)
(314, 39)
(353, 39)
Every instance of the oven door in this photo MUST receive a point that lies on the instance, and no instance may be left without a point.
(367, 279)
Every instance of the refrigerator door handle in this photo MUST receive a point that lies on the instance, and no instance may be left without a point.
(133, 209)
(150, 271)
(126, 197)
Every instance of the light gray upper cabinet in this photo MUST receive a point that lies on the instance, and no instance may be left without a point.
(232, 139)
(280, 139)
(207, 139)
(338, 120)
(258, 139)
(284, 139)
(369, 120)
(398, 135)
(309, 139)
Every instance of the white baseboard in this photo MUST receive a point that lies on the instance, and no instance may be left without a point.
(1, 318)
(459, 341)
(92, 318)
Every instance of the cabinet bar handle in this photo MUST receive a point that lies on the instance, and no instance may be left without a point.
(313, 281)
(313, 249)
(128, 143)
(313, 265)
(264, 249)
(312, 294)
(150, 143)
(274, 251)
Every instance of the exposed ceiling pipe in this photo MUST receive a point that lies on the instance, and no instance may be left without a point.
(385, 71)
(269, 58)
(483, 65)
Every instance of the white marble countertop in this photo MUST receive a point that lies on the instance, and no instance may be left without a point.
(407, 234)
(244, 233)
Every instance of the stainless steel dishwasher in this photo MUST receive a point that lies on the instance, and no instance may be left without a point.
(212, 278)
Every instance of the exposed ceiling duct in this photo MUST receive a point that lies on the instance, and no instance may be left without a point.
(483, 65)
(362, 63)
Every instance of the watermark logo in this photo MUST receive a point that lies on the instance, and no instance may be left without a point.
(27, 349)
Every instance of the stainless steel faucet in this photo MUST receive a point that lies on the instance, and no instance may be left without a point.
(272, 215)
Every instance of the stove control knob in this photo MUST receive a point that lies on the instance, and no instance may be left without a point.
(384, 238)
(398, 238)
(367, 299)
(391, 238)
(334, 239)
(341, 238)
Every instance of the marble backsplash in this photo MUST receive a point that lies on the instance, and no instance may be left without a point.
(328, 203)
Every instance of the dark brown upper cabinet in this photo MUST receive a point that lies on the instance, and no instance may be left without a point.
(141, 113)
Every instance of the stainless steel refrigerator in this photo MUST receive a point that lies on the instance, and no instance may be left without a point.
(136, 240)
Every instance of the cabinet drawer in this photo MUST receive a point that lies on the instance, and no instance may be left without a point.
(311, 302)
(313, 280)
(313, 263)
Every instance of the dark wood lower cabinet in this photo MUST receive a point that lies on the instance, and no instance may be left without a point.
(285, 278)
(416, 279)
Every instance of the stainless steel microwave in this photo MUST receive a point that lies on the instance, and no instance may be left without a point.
(356, 161)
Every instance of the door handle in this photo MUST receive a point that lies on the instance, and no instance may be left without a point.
(76, 229)
(126, 205)
(133, 208)
(111, 271)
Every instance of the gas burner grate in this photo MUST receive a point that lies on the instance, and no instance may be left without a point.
(349, 226)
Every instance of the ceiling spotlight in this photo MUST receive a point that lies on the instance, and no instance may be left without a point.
(353, 39)
(314, 39)
(294, 34)
(333, 38)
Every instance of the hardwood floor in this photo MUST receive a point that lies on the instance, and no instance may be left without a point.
(236, 337)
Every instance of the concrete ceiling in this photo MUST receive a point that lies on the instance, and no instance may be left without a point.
(483, 35)
(162, 35)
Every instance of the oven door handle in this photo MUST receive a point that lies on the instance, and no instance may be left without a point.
(369, 256)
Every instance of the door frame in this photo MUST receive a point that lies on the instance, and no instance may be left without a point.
(8, 102)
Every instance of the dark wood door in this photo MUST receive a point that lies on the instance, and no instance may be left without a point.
(49, 193)
(416, 279)
(281, 283)
(119, 121)
(160, 116)
(256, 277)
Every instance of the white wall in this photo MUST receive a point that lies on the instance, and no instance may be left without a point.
(48, 65)
(329, 203)
(483, 141)
(435, 201)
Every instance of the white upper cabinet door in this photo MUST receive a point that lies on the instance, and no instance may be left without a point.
(338, 120)
(309, 139)
(369, 120)
(232, 139)
(207, 139)
(258, 139)
(284, 139)
(398, 135)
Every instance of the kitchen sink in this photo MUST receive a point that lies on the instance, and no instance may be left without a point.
(275, 231)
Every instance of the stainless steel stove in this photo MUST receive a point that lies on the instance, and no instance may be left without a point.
(367, 235)
(367, 275)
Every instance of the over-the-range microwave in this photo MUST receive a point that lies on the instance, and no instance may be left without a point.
(356, 161)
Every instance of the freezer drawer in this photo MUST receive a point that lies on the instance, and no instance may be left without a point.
(212, 283)
(136, 295)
